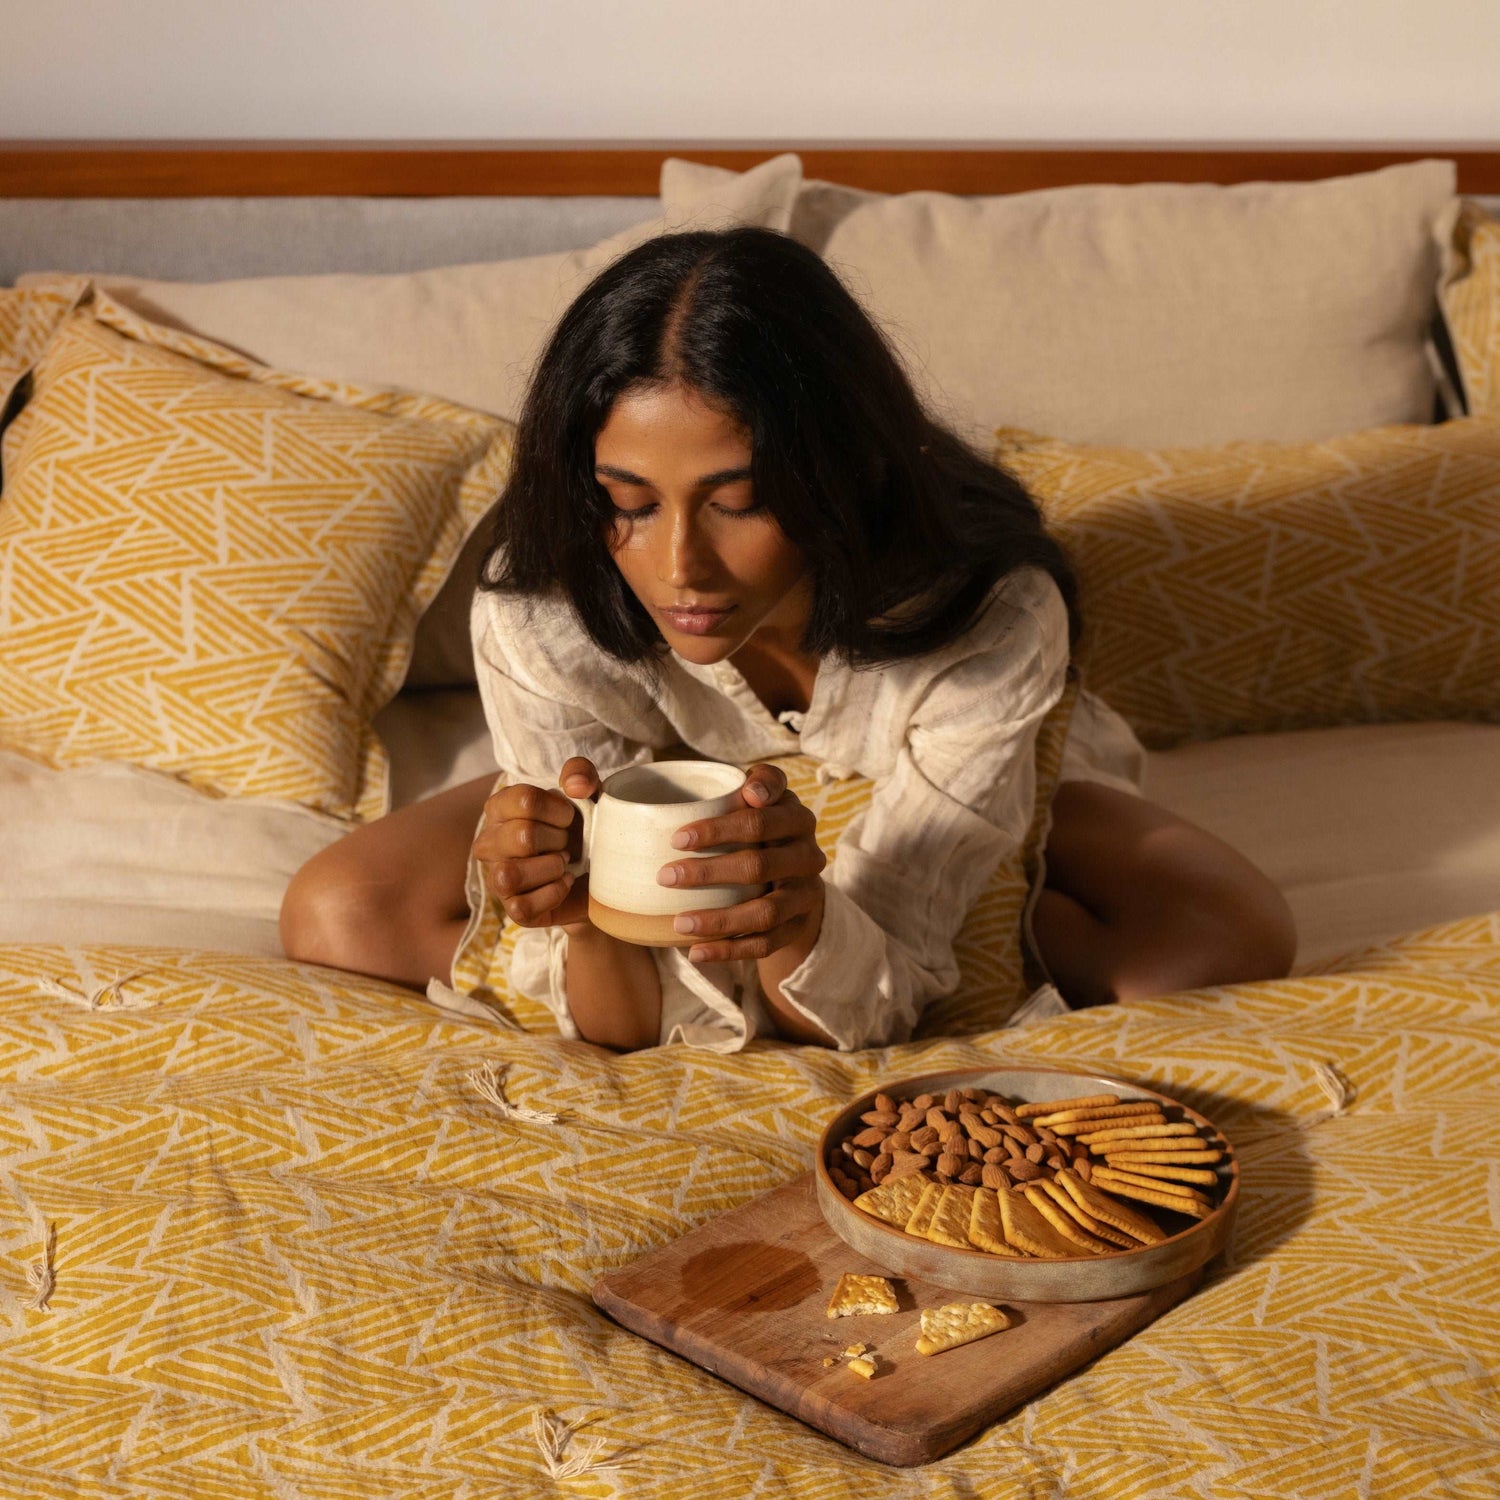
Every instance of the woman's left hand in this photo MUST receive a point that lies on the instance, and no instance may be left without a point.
(782, 852)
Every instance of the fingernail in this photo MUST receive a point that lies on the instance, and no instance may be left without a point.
(683, 840)
(577, 783)
(685, 924)
(697, 955)
(759, 792)
(669, 875)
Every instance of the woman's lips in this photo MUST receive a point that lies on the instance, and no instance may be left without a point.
(696, 621)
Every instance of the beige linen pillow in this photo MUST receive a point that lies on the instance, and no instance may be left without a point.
(1155, 315)
(214, 569)
(1471, 305)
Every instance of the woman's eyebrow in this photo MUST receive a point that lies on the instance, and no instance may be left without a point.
(704, 481)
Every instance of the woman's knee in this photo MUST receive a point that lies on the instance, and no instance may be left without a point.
(1177, 907)
(332, 912)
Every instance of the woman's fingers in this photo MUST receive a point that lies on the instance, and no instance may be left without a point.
(545, 906)
(513, 877)
(532, 804)
(578, 777)
(764, 785)
(753, 929)
(756, 865)
(784, 819)
(520, 838)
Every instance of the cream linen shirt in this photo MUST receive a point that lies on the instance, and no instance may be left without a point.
(947, 738)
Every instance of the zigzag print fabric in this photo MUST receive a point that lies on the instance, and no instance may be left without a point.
(1265, 586)
(28, 320)
(214, 569)
(991, 948)
(279, 1230)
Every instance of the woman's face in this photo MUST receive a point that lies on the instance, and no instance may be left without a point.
(708, 565)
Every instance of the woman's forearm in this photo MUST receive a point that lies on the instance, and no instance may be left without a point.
(790, 1022)
(614, 992)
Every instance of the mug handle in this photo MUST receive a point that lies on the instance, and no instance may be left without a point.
(585, 806)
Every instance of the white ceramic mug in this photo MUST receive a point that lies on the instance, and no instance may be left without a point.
(627, 838)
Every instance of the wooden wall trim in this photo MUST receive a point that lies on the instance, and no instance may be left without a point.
(194, 169)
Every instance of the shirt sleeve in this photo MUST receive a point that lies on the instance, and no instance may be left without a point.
(549, 694)
(960, 797)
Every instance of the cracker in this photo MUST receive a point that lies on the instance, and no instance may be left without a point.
(1085, 1220)
(1098, 1112)
(893, 1200)
(1109, 1210)
(1027, 1230)
(1051, 1106)
(958, 1323)
(1064, 1223)
(1139, 1132)
(1094, 1124)
(863, 1367)
(1174, 1201)
(1105, 1175)
(1163, 1158)
(986, 1231)
(856, 1294)
(949, 1224)
(1205, 1175)
(921, 1215)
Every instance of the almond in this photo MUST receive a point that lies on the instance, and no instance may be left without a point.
(972, 1175)
(949, 1165)
(885, 1104)
(995, 1155)
(937, 1118)
(900, 1140)
(1025, 1171)
(885, 1117)
(994, 1177)
(951, 1100)
(906, 1163)
(983, 1134)
(924, 1102)
(871, 1136)
(926, 1136)
(1035, 1153)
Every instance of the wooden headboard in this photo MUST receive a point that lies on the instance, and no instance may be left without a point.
(196, 169)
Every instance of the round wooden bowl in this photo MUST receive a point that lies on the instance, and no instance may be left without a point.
(1080, 1278)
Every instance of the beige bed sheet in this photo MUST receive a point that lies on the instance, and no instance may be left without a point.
(1372, 831)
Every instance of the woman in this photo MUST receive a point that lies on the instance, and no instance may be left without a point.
(731, 525)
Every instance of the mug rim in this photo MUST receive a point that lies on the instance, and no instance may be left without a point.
(668, 766)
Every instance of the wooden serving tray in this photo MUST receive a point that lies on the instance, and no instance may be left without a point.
(745, 1297)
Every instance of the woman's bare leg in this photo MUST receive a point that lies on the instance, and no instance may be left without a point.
(1140, 902)
(388, 899)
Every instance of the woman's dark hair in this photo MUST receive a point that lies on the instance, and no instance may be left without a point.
(906, 529)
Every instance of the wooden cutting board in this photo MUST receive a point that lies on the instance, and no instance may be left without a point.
(745, 1295)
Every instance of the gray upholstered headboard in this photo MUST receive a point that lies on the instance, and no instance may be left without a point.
(212, 239)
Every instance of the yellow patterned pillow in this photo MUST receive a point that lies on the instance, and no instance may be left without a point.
(991, 947)
(215, 569)
(27, 320)
(1471, 307)
(1267, 586)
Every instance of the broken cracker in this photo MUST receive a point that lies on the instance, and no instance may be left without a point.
(857, 1294)
(949, 1224)
(958, 1323)
(864, 1368)
(893, 1200)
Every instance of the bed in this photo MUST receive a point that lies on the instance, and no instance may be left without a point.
(277, 1229)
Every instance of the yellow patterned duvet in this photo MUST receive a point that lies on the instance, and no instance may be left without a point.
(275, 1231)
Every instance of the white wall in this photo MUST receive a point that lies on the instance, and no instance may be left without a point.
(753, 69)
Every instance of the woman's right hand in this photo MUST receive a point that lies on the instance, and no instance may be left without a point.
(523, 848)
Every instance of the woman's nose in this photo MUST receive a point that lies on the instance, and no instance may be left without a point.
(686, 560)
